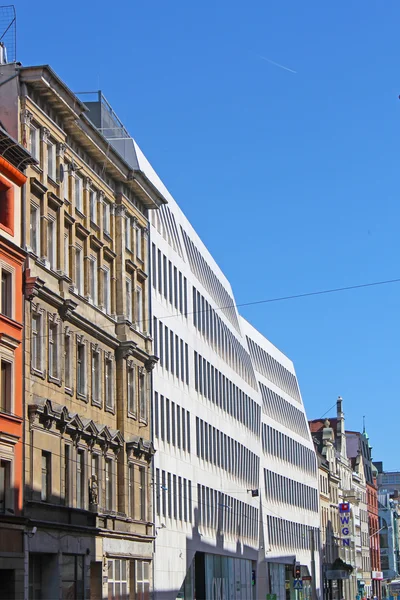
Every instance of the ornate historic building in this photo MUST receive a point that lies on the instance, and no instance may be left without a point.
(88, 349)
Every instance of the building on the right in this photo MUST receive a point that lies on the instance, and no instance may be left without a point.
(345, 538)
(358, 445)
(389, 522)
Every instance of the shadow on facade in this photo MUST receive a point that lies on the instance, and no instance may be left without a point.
(196, 550)
(49, 548)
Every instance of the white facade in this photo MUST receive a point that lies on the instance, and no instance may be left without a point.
(235, 475)
(248, 431)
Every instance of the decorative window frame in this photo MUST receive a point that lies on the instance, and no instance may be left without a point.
(7, 454)
(7, 354)
(67, 334)
(35, 202)
(130, 366)
(54, 320)
(95, 349)
(36, 309)
(4, 266)
(81, 340)
(142, 373)
(136, 465)
(109, 359)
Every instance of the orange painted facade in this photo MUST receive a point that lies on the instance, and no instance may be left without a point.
(11, 420)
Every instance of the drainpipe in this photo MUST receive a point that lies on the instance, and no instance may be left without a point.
(151, 419)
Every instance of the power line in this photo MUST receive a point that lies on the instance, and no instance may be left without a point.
(251, 303)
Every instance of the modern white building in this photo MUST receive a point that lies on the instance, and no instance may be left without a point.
(235, 475)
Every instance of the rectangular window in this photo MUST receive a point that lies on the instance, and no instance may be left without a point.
(80, 479)
(53, 350)
(6, 293)
(67, 474)
(66, 181)
(6, 387)
(139, 308)
(142, 580)
(78, 193)
(142, 494)
(66, 251)
(108, 383)
(34, 141)
(128, 289)
(131, 390)
(93, 280)
(109, 484)
(35, 229)
(79, 269)
(107, 290)
(52, 243)
(46, 476)
(5, 484)
(131, 490)
(93, 206)
(67, 361)
(81, 369)
(72, 569)
(36, 342)
(118, 581)
(106, 217)
(143, 396)
(139, 243)
(96, 376)
(128, 243)
(51, 160)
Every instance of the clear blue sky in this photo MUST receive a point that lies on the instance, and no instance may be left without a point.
(291, 179)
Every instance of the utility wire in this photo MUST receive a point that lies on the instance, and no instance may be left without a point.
(252, 303)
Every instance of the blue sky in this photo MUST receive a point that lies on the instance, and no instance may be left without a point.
(291, 179)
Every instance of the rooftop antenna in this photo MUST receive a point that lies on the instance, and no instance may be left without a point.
(8, 34)
(363, 423)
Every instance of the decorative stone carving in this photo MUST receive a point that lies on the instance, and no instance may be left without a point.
(119, 210)
(45, 134)
(61, 148)
(93, 490)
(32, 285)
(151, 363)
(67, 308)
(26, 117)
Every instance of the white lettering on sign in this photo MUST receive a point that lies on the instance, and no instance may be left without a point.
(345, 529)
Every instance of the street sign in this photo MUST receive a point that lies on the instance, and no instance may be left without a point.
(271, 596)
(298, 584)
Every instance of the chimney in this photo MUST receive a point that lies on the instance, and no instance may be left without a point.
(340, 430)
(3, 54)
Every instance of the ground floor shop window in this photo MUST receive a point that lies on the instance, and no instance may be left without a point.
(142, 580)
(117, 580)
(72, 577)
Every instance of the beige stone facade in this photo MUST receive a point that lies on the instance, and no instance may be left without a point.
(88, 352)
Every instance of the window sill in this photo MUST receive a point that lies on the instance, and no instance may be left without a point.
(69, 391)
(55, 380)
(94, 225)
(107, 235)
(82, 397)
(132, 416)
(79, 213)
(11, 416)
(38, 373)
(109, 409)
(97, 403)
(52, 180)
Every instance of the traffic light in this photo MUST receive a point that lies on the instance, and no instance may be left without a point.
(297, 572)
(253, 577)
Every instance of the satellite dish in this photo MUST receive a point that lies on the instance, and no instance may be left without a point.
(61, 173)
